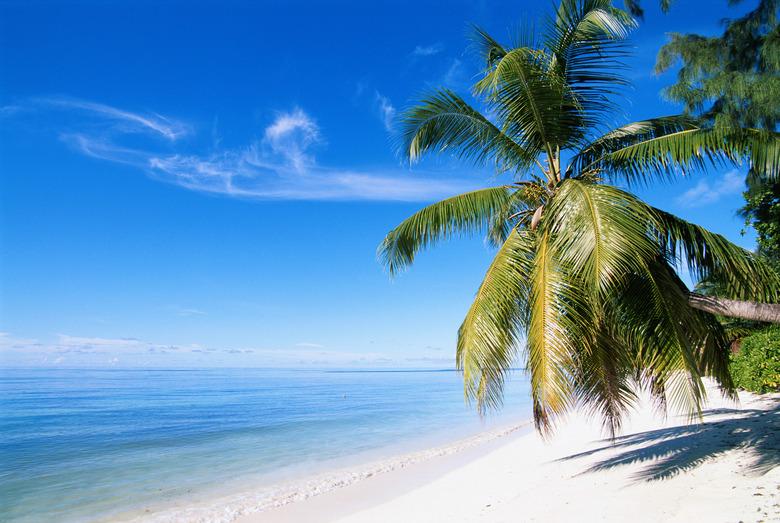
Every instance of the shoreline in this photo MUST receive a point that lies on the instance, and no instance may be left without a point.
(265, 499)
(726, 469)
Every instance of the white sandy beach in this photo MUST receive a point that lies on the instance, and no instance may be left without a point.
(724, 470)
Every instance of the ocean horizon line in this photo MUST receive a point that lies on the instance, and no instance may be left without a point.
(190, 369)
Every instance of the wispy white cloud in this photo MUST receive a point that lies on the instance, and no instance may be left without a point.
(11, 109)
(249, 174)
(187, 312)
(65, 340)
(309, 345)
(127, 120)
(428, 50)
(360, 88)
(8, 341)
(104, 149)
(89, 351)
(279, 165)
(454, 75)
(387, 111)
(706, 192)
(291, 135)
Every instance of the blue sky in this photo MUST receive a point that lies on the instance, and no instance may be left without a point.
(205, 183)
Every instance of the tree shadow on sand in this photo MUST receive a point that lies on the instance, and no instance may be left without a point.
(671, 451)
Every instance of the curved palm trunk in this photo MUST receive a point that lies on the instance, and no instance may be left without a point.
(747, 310)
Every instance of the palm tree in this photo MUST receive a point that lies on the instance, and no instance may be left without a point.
(583, 286)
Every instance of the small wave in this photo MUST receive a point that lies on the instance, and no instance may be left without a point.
(229, 508)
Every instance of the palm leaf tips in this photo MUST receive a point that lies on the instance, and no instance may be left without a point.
(467, 213)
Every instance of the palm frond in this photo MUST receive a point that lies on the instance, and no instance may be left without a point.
(604, 377)
(535, 109)
(517, 211)
(466, 213)
(488, 48)
(743, 275)
(601, 233)
(665, 332)
(587, 40)
(714, 352)
(668, 155)
(444, 121)
(557, 320)
(586, 160)
(490, 334)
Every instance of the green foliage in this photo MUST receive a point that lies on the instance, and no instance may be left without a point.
(584, 272)
(649, 155)
(762, 212)
(469, 212)
(734, 80)
(711, 258)
(731, 79)
(756, 367)
(635, 8)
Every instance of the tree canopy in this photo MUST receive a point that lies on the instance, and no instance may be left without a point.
(583, 290)
(730, 79)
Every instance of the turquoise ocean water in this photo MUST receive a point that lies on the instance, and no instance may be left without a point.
(86, 445)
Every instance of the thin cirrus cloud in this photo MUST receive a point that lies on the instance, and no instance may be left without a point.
(454, 76)
(280, 165)
(309, 345)
(87, 352)
(428, 50)
(68, 350)
(706, 192)
(387, 111)
(128, 121)
(291, 135)
(186, 312)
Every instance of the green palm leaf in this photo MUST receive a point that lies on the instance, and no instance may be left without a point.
(587, 160)
(535, 108)
(588, 41)
(666, 155)
(708, 255)
(445, 122)
(489, 49)
(600, 232)
(665, 329)
(490, 334)
(467, 213)
(604, 377)
(557, 322)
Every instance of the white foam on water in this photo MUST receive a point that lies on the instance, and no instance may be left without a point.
(227, 509)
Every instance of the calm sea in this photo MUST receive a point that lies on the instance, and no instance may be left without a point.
(83, 445)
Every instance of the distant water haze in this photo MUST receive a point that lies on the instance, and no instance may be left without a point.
(83, 445)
